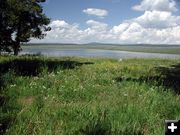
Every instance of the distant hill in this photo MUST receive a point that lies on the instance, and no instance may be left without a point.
(107, 44)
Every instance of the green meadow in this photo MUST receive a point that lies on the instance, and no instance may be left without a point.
(87, 96)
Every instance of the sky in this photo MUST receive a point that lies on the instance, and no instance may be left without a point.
(112, 21)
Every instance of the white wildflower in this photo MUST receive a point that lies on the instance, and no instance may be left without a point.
(75, 90)
(13, 85)
(52, 75)
(43, 87)
(32, 83)
(35, 78)
(59, 72)
(125, 94)
(120, 60)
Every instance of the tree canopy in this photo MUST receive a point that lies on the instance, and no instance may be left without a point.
(21, 20)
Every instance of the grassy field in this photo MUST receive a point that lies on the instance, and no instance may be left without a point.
(87, 96)
(168, 49)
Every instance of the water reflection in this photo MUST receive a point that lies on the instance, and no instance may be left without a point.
(97, 53)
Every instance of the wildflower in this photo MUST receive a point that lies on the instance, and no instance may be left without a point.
(35, 78)
(59, 72)
(152, 89)
(13, 85)
(120, 60)
(125, 94)
(32, 84)
(75, 90)
(44, 87)
(52, 74)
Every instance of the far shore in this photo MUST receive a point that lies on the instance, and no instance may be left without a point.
(164, 49)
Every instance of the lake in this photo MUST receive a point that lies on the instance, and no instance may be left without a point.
(96, 53)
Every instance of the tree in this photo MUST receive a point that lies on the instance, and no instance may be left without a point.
(21, 20)
(5, 29)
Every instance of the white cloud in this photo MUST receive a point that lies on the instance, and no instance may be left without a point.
(61, 31)
(59, 23)
(96, 12)
(135, 33)
(126, 32)
(97, 25)
(159, 5)
(152, 27)
(97, 31)
(120, 28)
(157, 19)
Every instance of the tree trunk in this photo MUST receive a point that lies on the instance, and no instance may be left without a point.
(15, 52)
(16, 48)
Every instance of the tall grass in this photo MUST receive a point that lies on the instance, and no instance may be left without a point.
(83, 96)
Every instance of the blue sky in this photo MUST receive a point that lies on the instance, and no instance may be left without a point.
(71, 10)
(112, 21)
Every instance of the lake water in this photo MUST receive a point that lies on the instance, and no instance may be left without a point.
(97, 53)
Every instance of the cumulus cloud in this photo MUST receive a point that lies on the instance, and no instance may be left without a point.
(59, 23)
(159, 5)
(96, 12)
(97, 25)
(126, 32)
(157, 19)
(97, 31)
(135, 33)
(62, 31)
(152, 27)
(120, 28)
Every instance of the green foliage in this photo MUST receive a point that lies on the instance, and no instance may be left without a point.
(94, 96)
(21, 20)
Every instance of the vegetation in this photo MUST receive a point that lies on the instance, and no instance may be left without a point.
(87, 96)
(20, 21)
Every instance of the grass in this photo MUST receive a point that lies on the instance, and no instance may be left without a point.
(166, 49)
(87, 96)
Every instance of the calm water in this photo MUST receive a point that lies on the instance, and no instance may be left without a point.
(97, 53)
